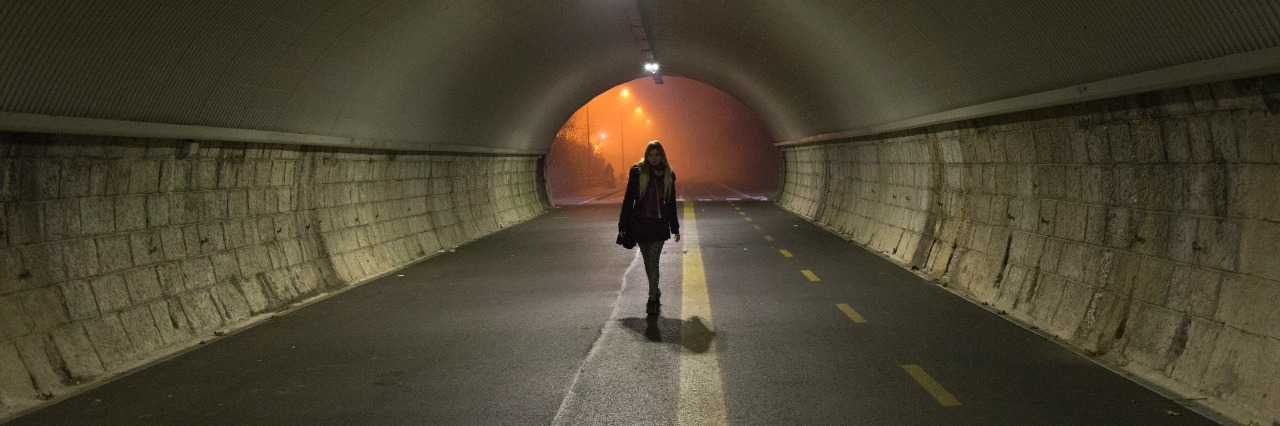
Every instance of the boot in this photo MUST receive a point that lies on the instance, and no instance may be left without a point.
(654, 307)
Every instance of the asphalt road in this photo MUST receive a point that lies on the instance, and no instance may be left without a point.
(544, 323)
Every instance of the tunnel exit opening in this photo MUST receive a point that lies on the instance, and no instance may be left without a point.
(718, 147)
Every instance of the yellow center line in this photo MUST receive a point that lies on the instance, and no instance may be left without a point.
(742, 213)
(768, 238)
(701, 388)
(748, 219)
(931, 386)
(785, 253)
(809, 274)
(757, 227)
(853, 315)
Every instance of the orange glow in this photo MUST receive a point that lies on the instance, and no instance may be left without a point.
(717, 145)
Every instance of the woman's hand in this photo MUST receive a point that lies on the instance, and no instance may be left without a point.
(677, 238)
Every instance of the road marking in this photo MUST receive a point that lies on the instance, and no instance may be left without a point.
(701, 388)
(757, 227)
(809, 274)
(768, 238)
(742, 213)
(747, 218)
(785, 253)
(931, 386)
(853, 315)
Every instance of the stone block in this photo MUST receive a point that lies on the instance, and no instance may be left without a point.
(144, 177)
(1194, 290)
(111, 293)
(184, 208)
(197, 273)
(1223, 128)
(16, 386)
(76, 178)
(255, 297)
(1205, 191)
(140, 326)
(143, 285)
(1151, 335)
(1182, 238)
(61, 219)
(1148, 147)
(36, 352)
(158, 210)
(24, 224)
(76, 351)
(201, 311)
(81, 303)
(1070, 221)
(1259, 196)
(1072, 307)
(1177, 141)
(1201, 139)
(1255, 142)
(1217, 243)
(97, 216)
(1243, 368)
(173, 243)
(1259, 245)
(110, 340)
(1151, 284)
(44, 308)
(13, 323)
(131, 213)
(1190, 365)
(1073, 263)
(171, 278)
(231, 302)
(170, 322)
(174, 175)
(145, 247)
(14, 277)
(1249, 304)
(114, 253)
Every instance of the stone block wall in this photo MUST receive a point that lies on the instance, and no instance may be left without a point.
(113, 250)
(1145, 228)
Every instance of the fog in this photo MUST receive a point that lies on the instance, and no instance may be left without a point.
(718, 147)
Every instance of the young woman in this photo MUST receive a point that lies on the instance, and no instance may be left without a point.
(649, 213)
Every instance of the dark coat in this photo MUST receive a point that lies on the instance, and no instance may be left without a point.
(632, 221)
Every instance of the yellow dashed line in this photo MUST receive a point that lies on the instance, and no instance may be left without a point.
(701, 388)
(757, 227)
(748, 219)
(853, 315)
(785, 253)
(768, 238)
(931, 386)
(809, 274)
(742, 213)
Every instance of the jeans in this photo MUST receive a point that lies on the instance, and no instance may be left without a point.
(650, 251)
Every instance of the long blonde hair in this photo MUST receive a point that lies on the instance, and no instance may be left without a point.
(668, 179)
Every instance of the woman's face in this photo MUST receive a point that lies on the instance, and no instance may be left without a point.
(654, 156)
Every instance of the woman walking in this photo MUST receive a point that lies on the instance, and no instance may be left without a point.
(648, 214)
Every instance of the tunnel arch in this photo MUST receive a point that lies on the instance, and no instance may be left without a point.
(418, 87)
(479, 75)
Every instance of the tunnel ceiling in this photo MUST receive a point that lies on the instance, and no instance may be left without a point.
(506, 74)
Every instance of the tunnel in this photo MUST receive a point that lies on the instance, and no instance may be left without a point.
(339, 212)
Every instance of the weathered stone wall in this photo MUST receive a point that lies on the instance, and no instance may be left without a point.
(1145, 229)
(113, 250)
